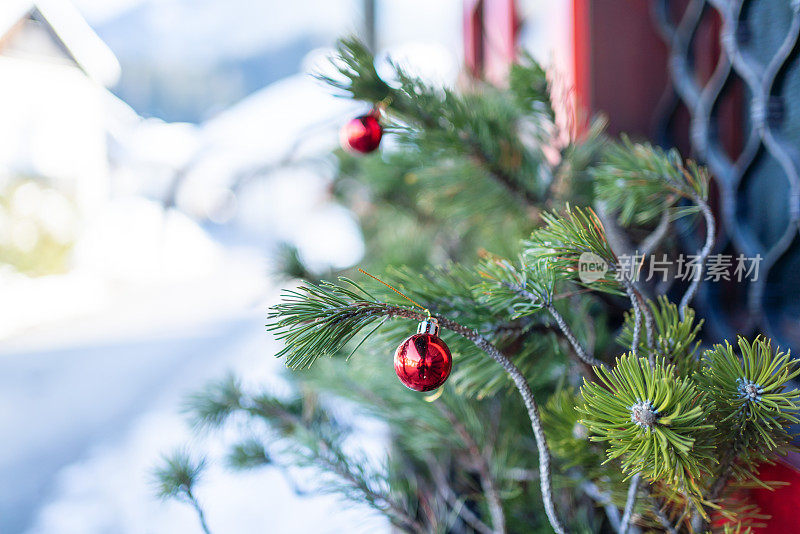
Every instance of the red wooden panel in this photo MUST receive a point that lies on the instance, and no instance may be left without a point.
(490, 38)
(473, 37)
(620, 62)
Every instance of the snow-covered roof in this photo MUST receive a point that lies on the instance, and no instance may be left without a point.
(79, 40)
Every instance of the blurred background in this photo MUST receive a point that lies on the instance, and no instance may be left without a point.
(155, 157)
(158, 158)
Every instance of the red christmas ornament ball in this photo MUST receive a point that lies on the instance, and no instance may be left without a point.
(362, 134)
(423, 362)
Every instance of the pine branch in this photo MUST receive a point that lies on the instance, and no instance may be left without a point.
(211, 407)
(637, 322)
(569, 242)
(315, 437)
(630, 502)
(565, 241)
(751, 403)
(568, 238)
(319, 436)
(641, 311)
(651, 420)
(320, 319)
(400, 516)
(421, 430)
(524, 290)
(477, 299)
(201, 516)
(676, 338)
(176, 479)
(484, 128)
(564, 238)
(525, 391)
(533, 414)
(250, 454)
(653, 180)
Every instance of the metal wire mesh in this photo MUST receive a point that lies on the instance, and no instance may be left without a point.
(738, 95)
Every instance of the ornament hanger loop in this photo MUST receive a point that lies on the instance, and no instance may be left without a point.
(383, 104)
(415, 303)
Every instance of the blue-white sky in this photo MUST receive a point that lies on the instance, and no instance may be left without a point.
(186, 60)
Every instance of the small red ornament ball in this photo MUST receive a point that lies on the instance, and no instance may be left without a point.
(423, 362)
(362, 134)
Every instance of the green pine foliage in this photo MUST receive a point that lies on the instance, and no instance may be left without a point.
(652, 420)
(565, 238)
(568, 437)
(303, 434)
(499, 149)
(654, 180)
(517, 290)
(753, 401)
(445, 125)
(317, 320)
(178, 475)
(676, 339)
(478, 214)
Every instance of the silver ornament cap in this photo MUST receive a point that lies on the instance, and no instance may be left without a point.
(429, 326)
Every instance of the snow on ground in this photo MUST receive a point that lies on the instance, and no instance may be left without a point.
(91, 398)
(111, 489)
(94, 364)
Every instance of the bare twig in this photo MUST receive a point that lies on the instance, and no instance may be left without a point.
(629, 503)
(649, 329)
(580, 351)
(641, 311)
(198, 509)
(604, 499)
(455, 503)
(652, 241)
(484, 470)
(704, 252)
(664, 520)
(570, 335)
(637, 320)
